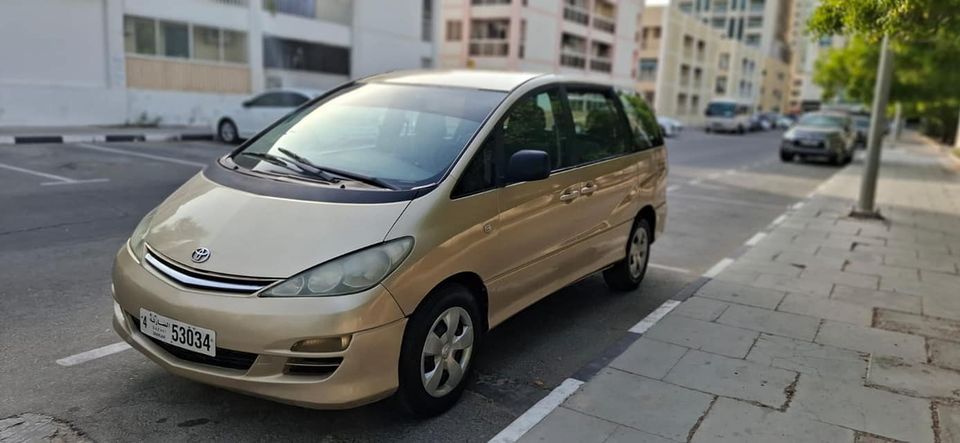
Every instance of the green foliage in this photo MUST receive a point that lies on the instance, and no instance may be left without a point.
(903, 20)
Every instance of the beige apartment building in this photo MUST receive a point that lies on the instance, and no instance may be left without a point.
(804, 94)
(761, 24)
(588, 38)
(774, 86)
(683, 63)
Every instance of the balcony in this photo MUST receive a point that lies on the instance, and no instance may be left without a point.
(573, 59)
(604, 24)
(336, 11)
(489, 48)
(576, 14)
(601, 64)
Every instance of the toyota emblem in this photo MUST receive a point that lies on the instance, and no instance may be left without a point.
(200, 255)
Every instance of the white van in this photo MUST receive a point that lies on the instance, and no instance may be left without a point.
(728, 115)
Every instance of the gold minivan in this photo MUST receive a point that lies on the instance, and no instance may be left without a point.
(363, 245)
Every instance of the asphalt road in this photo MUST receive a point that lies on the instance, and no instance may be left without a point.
(66, 209)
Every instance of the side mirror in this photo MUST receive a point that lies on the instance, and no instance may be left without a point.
(528, 165)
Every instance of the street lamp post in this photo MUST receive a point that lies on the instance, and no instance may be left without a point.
(866, 206)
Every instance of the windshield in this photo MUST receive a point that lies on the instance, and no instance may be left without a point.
(721, 109)
(861, 122)
(400, 135)
(822, 121)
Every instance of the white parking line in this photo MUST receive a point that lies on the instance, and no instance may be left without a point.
(60, 180)
(93, 354)
(672, 188)
(718, 268)
(76, 182)
(797, 205)
(141, 155)
(782, 218)
(752, 241)
(655, 316)
(669, 268)
(537, 412)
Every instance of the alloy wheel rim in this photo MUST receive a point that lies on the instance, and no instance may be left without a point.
(637, 256)
(447, 351)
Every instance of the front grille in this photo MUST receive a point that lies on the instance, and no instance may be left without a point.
(200, 280)
(226, 358)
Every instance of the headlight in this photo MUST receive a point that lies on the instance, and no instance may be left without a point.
(790, 135)
(138, 240)
(348, 274)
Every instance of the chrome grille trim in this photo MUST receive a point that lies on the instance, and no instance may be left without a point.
(196, 282)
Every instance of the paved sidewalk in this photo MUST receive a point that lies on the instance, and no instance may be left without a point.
(827, 329)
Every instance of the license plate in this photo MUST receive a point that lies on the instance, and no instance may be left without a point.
(811, 143)
(179, 334)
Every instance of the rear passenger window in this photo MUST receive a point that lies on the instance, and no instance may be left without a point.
(599, 131)
(646, 131)
(531, 123)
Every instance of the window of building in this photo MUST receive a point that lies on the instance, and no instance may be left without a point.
(651, 36)
(755, 22)
(681, 104)
(752, 40)
(234, 46)
(721, 86)
(489, 2)
(687, 46)
(694, 104)
(701, 50)
(648, 69)
(488, 37)
(426, 62)
(576, 11)
(281, 53)
(454, 30)
(573, 51)
(756, 5)
(599, 130)
(650, 96)
(724, 61)
(604, 16)
(697, 77)
(686, 6)
(740, 28)
(206, 43)
(174, 39)
(426, 24)
(140, 35)
(521, 51)
(684, 75)
(720, 6)
(718, 22)
(600, 57)
(145, 36)
(731, 27)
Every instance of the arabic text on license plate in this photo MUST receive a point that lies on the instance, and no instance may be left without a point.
(177, 333)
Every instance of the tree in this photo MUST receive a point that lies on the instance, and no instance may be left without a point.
(926, 45)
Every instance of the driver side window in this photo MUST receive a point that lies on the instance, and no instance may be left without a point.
(531, 123)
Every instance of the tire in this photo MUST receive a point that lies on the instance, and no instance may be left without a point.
(227, 131)
(786, 157)
(446, 303)
(707, 129)
(740, 129)
(627, 274)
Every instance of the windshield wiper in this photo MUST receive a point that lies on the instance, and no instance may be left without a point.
(301, 161)
(326, 170)
(286, 164)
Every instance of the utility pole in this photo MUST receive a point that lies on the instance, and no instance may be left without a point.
(866, 207)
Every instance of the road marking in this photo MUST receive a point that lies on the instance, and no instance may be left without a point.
(670, 268)
(797, 205)
(782, 218)
(93, 354)
(37, 173)
(672, 188)
(730, 171)
(76, 182)
(718, 268)
(141, 155)
(755, 239)
(526, 421)
(655, 316)
(695, 181)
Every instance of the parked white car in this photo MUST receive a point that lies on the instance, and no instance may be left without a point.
(260, 111)
(669, 126)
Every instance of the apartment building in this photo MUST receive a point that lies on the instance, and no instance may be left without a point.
(79, 62)
(586, 38)
(762, 24)
(683, 63)
(774, 86)
(804, 93)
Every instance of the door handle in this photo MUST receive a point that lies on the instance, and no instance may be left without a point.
(588, 188)
(569, 195)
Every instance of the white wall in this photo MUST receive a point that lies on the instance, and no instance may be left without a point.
(55, 63)
(179, 108)
(387, 36)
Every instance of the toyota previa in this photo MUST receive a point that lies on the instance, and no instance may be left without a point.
(362, 245)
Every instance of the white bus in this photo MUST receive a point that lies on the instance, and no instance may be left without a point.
(728, 115)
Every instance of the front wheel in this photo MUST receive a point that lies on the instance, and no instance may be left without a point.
(786, 157)
(627, 274)
(437, 350)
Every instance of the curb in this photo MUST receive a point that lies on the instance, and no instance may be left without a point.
(100, 138)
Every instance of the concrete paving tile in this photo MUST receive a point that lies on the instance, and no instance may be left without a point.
(883, 271)
(649, 358)
(698, 334)
(642, 403)
(809, 358)
(949, 422)
(877, 299)
(701, 308)
(771, 322)
(943, 353)
(810, 260)
(565, 425)
(945, 266)
(871, 340)
(739, 277)
(827, 308)
(735, 422)
(742, 294)
(804, 285)
(917, 324)
(921, 247)
(914, 379)
(888, 251)
(843, 278)
(942, 304)
(768, 267)
(862, 408)
(730, 377)
(857, 239)
(851, 256)
(624, 434)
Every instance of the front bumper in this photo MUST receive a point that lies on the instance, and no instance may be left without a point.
(824, 149)
(267, 328)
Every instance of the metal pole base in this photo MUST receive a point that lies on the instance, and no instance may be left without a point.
(861, 214)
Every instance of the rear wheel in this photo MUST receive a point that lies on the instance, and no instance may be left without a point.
(627, 274)
(227, 132)
(437, 350)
